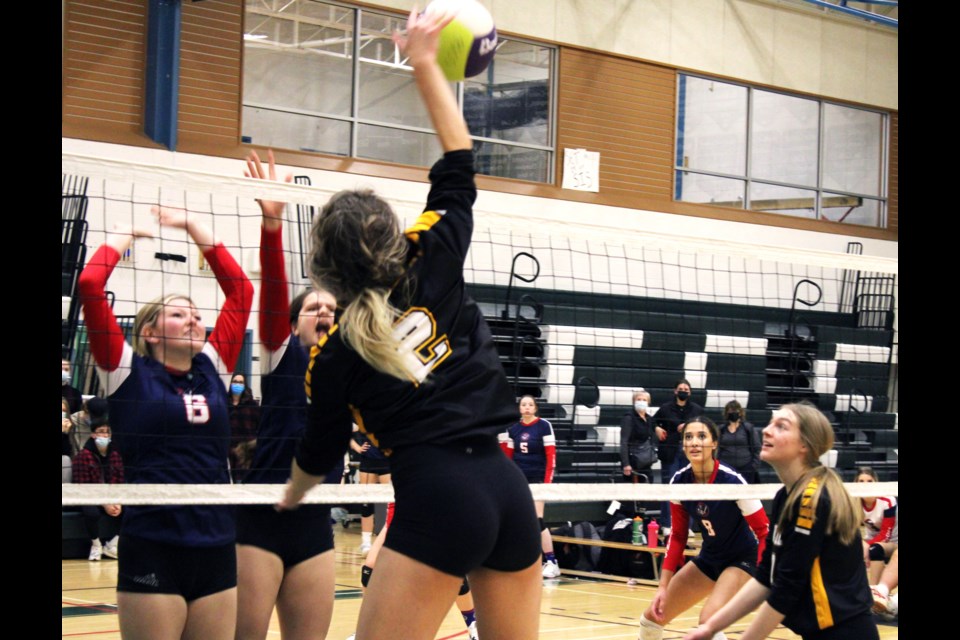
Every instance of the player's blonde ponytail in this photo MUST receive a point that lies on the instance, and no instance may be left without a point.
(359, 254)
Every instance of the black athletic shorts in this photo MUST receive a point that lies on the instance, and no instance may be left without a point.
(145, 566)
(294, 536)
(713, 565)
(459, 507)
(379, 466)
(860, 627)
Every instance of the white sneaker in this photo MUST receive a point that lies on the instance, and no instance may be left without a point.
(110, 549)
(551, 570)
(365, 548)
(96, 550)
(352, 636)
(472, 631)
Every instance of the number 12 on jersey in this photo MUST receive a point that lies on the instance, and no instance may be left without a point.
(422, 350)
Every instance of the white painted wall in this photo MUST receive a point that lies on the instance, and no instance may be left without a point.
(784, 43)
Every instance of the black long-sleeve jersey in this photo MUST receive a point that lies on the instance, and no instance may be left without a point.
(458, 390)
(815, 581)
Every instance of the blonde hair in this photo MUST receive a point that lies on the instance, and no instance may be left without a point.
(816, 434)
(147, 317)
(359, 254)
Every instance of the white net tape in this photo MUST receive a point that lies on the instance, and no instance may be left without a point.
(159, 494)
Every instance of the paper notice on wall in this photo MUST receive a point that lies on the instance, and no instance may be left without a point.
(581, 170)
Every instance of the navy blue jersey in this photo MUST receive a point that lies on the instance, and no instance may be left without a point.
(284, 415)
(458, 390)
(533, 447)
(726, 533)
(172, 428)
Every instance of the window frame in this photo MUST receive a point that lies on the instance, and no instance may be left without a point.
(355, 121)
(820, 189)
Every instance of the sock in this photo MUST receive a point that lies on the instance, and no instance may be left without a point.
(883, 589)
(469, 617)
(649, 630)
(549, 556)
(95, 542)
(365, 537)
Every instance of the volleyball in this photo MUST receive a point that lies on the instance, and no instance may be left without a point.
(468, 43)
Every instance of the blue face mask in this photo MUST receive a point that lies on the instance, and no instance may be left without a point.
(102, 441)
(64, 377)
(237, 388)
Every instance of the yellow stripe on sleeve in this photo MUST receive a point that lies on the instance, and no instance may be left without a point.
(426, 220)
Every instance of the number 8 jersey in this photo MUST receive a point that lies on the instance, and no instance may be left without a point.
(457, 389)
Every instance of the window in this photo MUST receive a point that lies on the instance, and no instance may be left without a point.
(762, 150)
(310, 84)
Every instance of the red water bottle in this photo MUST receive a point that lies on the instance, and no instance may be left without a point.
(652, 530)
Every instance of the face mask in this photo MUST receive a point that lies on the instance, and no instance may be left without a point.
(733, 417)
(102, 441)
(236, 388)
(64, 377)
(640, 405)
(683, 395)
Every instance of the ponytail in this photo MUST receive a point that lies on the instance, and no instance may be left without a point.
(843, 520)
(367, 324)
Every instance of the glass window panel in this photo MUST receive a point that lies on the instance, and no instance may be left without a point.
(387, 91)
(851, 210)
(783, 140)
(725, 192)
(288, 130)
(712, 132)
(852, 143)
(291, 60)
(507, 161)
(511, 99)
(786, 201)
(397, 145)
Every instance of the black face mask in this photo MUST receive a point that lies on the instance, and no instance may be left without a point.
(733, 417)
(683, 395)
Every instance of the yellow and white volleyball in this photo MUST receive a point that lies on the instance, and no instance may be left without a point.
(468, 43)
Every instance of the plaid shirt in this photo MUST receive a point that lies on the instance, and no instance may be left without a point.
(90, 468)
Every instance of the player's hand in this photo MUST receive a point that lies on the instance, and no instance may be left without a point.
(171, 216)
(680, 427)
(113, 510)
(700, 633)
(272, 210)
(420, 42)
(658, 605)
(661, 434)
(290, 500)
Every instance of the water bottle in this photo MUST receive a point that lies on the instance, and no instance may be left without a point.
(637, 537)
(653, 529)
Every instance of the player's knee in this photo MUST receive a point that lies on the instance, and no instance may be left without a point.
(365, 573)
(877, 553)
(366, 510)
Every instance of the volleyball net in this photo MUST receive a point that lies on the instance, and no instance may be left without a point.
(584, 311)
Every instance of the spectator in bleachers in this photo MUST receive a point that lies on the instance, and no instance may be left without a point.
(71, 393)
(65, 426)
(81, 431)
(99, 463)
(244, 423)
(638, 451)
(739, 443)
(880, 531)
(670, 418)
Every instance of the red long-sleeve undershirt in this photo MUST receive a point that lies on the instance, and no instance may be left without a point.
(106, 337)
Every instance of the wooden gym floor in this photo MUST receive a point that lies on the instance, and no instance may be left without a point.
(571, 608)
